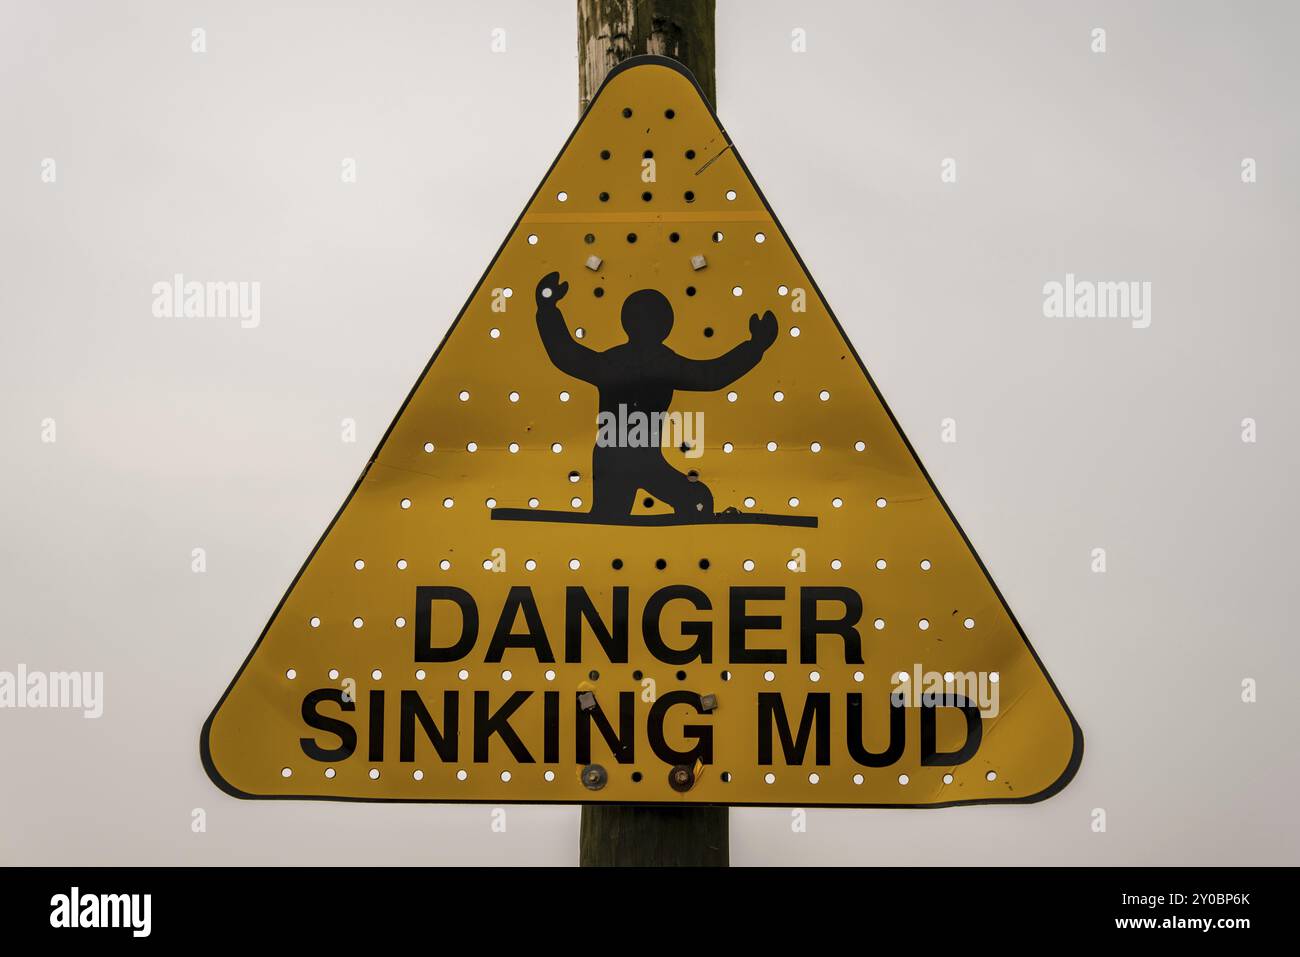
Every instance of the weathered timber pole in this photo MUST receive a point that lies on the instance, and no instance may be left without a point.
(610, 31)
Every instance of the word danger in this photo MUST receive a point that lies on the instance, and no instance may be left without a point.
(611, 631)
(679, 727)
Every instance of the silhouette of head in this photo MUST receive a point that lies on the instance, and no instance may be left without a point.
(647, 316)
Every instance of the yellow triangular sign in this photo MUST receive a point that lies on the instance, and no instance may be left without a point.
(644, 531)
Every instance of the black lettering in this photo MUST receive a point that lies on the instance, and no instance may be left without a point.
(520, 597)
(444, 741)
(897, 733)
(741, 622)
(499, 724)
(551, 727)
(930, 703)
(816, 712)
(621, 743)
(376, 725)
(425, 595)
(810, 626)
(578, 606)
(701, 649)
(312, 717)
(702, 734)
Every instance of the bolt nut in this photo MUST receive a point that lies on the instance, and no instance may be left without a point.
(698, 263)
(708, 703)
(594, 777)
(681, 778)
(594, 263)
(587, 700)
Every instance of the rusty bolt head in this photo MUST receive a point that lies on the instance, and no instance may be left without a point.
(680, 778)
(594, 777)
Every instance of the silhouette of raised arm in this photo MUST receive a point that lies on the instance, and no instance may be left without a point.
(706, 375)
(567, 354)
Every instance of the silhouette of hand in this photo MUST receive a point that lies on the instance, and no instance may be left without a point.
(550, 289)
(763, 331)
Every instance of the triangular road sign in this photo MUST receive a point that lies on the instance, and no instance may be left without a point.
(543, 589)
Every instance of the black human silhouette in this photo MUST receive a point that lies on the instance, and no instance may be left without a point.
(641, 375)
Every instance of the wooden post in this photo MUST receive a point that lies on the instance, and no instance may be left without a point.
(610, 31)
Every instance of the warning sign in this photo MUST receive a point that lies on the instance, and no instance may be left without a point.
(644, 531)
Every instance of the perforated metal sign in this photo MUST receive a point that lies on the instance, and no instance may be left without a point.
(644, 531)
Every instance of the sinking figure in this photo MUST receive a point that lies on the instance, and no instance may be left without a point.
(640, 376)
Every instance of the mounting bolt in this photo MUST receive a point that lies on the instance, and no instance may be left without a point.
(698, 263)
(708, 703)
(680, 778)
(593, 263)
(587, 700)
(594, 777)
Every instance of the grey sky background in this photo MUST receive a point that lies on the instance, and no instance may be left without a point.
(1072, 434)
